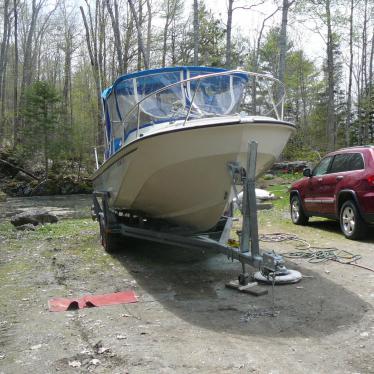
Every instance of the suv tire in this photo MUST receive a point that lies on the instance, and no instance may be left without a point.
(297, 213)
(351, 223)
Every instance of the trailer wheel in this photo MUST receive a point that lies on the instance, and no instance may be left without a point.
(110, 241)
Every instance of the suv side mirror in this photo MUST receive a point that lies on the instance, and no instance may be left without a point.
(307, 172)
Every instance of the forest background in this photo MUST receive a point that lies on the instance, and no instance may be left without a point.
(57, 56)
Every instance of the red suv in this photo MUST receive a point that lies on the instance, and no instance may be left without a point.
(340, 187)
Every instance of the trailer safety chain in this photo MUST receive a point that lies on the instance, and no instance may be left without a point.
(314, 255)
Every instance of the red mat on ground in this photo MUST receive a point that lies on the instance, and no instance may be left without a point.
(90, 301)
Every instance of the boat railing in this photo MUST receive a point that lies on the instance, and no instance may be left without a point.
(250, 104)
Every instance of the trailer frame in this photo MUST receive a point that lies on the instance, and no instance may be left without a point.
(114, 225)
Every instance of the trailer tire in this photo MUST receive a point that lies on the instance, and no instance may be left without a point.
(110, 241)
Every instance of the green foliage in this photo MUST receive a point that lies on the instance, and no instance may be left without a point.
(41, 115)
(212, 39)
(363, 125)
(295, 151)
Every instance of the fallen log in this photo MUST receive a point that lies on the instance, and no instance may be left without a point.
(19, 169)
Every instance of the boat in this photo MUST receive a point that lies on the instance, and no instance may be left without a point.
(170, 134)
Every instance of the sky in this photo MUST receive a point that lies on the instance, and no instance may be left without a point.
(247, 22)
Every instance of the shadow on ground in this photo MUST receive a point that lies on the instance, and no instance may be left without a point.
(191, 284)
(334, 227)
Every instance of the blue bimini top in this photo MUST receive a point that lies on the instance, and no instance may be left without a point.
(127, 102)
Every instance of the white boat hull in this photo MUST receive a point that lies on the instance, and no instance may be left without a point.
(181, 175)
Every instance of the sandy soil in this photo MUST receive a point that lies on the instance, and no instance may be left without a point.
(185, 321)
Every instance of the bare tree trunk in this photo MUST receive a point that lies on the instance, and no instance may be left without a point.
(228, 33)
(364, 72)
(256, 62)
(140, 13)
(67, 83)
(173, 44)
(165, 34)
(3, 62)
(149, 29)
(164, 42)
(3, 85)
(100, 27)
(129, 30)
(283, 44)
(140, 34)
(371, 72)
(331, 125)
(15, 80)
(92, 51)
(371, 83)
(349, 99)
(3, 57)
(196, 32)
(28, 59)
(116, 33)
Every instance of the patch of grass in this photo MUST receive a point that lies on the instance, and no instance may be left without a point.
(291, 177)
(6, 228)
(69, 233)
(282, 194)
(65, 227)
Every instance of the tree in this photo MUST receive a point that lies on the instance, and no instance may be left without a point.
(92, 38)
(170, 10)
(41, 115)
(114, 16)
(283, 42)
(138, 21)
(230, 12)
(196, 32)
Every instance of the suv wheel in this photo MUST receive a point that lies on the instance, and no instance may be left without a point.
(297, 213)
(351, 223)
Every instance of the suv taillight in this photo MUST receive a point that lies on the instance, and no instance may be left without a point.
(370, 179)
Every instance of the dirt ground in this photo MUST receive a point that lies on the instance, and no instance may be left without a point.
(185, 320)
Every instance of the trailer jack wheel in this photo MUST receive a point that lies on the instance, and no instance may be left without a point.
(283, 277)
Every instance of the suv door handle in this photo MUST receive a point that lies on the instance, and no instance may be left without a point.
(319, 179)
(339, 177)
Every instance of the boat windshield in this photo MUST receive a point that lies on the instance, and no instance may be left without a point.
(166, 95)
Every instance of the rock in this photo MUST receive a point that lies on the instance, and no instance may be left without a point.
(290, 166)
(34, 217)
(26, 227)
(2, 197)
(75, 364)
(37, 346)
(268, 177)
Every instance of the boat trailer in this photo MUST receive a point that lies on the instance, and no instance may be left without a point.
(271, 266)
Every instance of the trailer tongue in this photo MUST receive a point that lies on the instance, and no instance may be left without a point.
(114, 228)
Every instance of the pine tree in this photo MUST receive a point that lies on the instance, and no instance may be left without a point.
(41, 116)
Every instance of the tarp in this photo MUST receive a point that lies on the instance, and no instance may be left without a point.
(89, 301)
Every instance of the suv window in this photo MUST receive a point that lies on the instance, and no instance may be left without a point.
(322, 167)
(347, 162)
